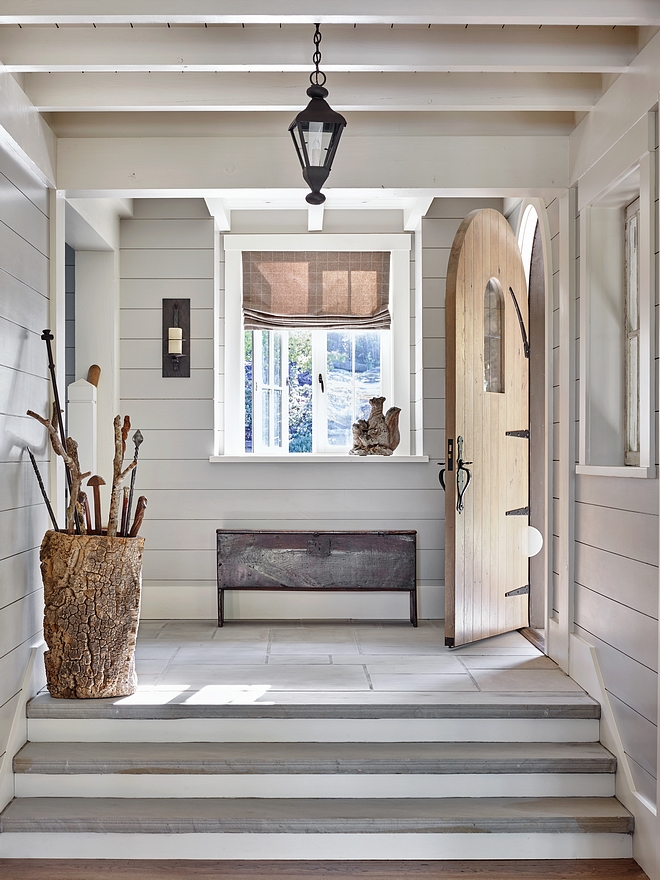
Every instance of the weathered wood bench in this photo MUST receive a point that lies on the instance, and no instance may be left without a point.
(270, 560)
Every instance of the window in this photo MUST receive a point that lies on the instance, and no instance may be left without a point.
(493, 337)
(631, 333)
(304, 389)
(296, 379)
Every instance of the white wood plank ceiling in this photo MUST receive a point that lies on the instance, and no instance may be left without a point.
(190, 67)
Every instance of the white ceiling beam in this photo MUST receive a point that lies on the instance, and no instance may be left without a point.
(557, 12)
(315, 218)
(61, 92)
(270, 48)
(209, 166)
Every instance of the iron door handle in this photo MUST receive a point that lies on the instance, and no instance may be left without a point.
(462, 487)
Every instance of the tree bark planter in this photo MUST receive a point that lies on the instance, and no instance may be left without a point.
(92, 606)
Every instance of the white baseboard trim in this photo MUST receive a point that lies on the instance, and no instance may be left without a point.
(585, 670)
(200, 602)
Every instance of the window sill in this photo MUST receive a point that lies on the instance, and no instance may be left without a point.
(309, 458)
(601, 470)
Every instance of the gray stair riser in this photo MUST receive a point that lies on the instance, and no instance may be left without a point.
(314, 730)
(331, 846)
(315, 786)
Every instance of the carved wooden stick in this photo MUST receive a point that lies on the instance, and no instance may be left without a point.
(118, 475)
(70, 456)
(139, 516)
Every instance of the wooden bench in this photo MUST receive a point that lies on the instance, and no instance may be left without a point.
(275, 560)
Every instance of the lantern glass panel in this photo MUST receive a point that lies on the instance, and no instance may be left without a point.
(318, 138)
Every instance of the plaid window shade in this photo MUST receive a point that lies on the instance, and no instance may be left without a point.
(334, 290)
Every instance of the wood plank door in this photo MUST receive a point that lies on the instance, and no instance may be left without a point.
(486, 470)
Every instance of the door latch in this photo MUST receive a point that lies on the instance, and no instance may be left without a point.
(462, 482)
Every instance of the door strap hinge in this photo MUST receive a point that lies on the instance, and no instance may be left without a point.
(523, 434)
(521, 591)
(519, 511)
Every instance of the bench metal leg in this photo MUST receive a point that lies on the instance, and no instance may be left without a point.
(413, 606)
(221, 607)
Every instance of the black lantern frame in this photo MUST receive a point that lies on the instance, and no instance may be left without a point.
(319, 122)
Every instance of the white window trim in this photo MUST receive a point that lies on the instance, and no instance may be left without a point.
(399, 244)
(644, 171)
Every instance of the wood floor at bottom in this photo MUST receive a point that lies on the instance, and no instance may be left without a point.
(101, 869)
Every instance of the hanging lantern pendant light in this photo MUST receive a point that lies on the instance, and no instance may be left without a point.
(316, 131)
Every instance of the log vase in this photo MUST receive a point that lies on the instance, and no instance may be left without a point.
(92, 607)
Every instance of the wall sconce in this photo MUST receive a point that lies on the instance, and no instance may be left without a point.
(176, 338)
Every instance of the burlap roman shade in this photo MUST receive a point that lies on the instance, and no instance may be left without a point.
(333, 290)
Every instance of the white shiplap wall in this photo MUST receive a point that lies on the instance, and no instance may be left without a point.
(24, 313)
(167, 249)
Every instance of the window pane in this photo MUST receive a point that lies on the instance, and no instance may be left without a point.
(632, 394)
(493, 337)
(300, 391)
(265, 417)
(277, 417)
(339, 388)
(249, 372)
(367, 372)
(265, 364)
(277, 360)
(632, 273)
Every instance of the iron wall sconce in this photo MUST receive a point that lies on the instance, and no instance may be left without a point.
(176, 338)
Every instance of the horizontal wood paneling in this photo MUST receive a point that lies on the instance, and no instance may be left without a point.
(627, 679)
(620, 493)
(634, 535)
(161, 234)
(150, 384)
(22, 305)
(624, 580)
(170, 209)
(172, 263)
(18, 576)
(147, 293)
(22, 260)
(31, 188)
(22, 349)
(24, 312)
(311, 503)
(148, 323)
(628, 630)
(288, 476)
(146, 354)
(639, 735)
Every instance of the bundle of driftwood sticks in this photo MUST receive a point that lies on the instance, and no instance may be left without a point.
(78, 514)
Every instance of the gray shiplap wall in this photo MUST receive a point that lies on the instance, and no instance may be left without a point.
(24, 312)
(616, 600)
(70, 315)
(167, 250)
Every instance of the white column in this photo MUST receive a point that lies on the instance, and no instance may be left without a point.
(81, 412)
(97, 342)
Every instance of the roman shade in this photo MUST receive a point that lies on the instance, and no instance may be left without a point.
(328, 289)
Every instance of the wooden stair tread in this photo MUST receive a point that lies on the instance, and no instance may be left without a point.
(304, 816)
(318, 758)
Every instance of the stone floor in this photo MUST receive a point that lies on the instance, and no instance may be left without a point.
(351, 661)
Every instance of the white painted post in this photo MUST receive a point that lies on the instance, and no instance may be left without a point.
(97, 342)
(82, 416)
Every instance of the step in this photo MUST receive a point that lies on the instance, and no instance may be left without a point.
(397, 770)
(340, 828)
(166, 716)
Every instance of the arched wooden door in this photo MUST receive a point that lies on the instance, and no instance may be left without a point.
(487, 464)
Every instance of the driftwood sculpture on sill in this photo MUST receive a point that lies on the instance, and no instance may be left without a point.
(379, 434)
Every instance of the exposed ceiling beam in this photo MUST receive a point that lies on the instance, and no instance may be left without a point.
(209, 166)
(270, 48)
(286, 92)
(502, 12)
